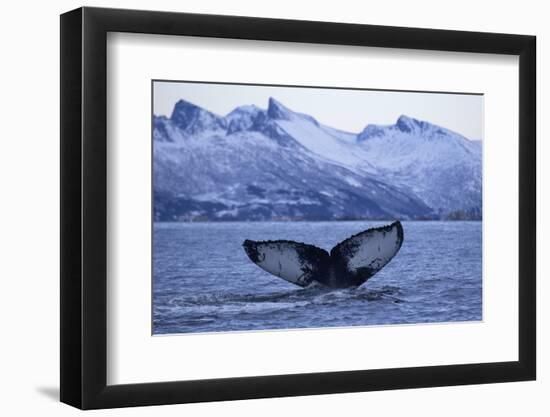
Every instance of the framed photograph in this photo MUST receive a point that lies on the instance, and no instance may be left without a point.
(256, 208)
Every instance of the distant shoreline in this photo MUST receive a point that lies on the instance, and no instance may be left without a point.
(320, 221)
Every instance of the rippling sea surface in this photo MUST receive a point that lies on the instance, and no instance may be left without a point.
(204, 282)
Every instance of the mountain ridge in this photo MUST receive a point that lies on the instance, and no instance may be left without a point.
(274, 163)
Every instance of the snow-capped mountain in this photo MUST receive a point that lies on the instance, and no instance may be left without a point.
(256, 164)
(441, 167)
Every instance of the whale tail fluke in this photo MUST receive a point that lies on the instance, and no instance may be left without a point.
(361, 256)
(349, 264)
(295, 262)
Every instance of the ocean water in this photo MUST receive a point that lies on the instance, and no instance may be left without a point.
(204, 282)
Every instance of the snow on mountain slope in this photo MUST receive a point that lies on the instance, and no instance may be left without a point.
(242, 118)
(250, 176)
(255, 164)
(329, 143)
(440, 166)
(192, 119)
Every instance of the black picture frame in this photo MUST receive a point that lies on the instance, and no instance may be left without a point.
(84, 207)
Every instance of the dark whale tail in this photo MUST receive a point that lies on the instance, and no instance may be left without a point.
(349, 264)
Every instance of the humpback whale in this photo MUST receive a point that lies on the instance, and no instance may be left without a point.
(349, 264)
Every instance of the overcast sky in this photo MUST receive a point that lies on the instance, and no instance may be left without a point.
(348, 110)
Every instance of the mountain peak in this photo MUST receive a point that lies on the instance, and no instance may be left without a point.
(242, 118)
(184, 112)
(277, 110)
(245, 109)
(371, 131)
(409, 124)
(184, 105)
(193, 118)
